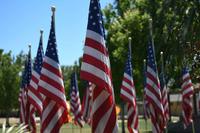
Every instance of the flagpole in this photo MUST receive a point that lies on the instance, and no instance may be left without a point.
(193, 129)
(123, 125)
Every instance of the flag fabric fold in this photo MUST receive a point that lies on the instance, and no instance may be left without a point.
(128, 95)
(95, 68)
(51, 85)
(187, 94)
(87, 103)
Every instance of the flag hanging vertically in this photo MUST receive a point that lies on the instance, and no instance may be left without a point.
(87, 103)
(187, 93)
(96, 69)
(128, 95)
(145, 102)
(22, 94)
(75, 101)
(33, 93)
(153, 92)
(51, 85)
(164, 92)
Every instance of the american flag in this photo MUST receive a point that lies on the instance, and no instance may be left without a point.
(187, 93)
(96, 69)
(145, 102)
(29, 119)
(164, 94)
(51, 85)
(128, 95)
(75, 101)
(22, 95)
(34, 96)
(153, 92)
(87, 103)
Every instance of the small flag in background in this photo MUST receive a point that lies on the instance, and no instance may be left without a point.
(75, 101)
(51, 85)
(153, 92)
(87, 103)
(128, 95)
(187, 93)
(22, 94)
(95, 68)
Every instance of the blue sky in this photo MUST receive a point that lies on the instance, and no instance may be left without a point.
(21, 21)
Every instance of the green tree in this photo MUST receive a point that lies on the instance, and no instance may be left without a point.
(175, 32)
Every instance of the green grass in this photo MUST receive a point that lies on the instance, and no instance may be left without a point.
(71, 128)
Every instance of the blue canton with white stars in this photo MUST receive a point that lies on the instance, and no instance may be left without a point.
(74, 83)
(28, 69)
(95, 20)
(128, 67)
(24, 75)
(185, 71)
(150, 57)
(51, 50)
(37, 66)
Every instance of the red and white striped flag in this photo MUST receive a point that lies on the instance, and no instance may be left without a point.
(75, 101)
(128, 95)
(51, 85)
(187, 94)
(87, 103)
(96, 69)
(153, 92)
(34, 95)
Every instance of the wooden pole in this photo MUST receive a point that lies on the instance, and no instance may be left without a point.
(122, 115)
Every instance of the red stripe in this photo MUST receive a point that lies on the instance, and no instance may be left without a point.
(52, 96)
(52, 69)
(96, 45)
(94, 79)
(127, 99)
(97, 63)
(155, 105)
(52, 82)
(153, 91)
(128, 81)
(127, 90)
(153, 79)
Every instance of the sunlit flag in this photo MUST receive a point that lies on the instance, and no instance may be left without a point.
(96, 69)
(51, 85)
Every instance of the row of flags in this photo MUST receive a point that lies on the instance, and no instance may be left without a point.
(42, 88)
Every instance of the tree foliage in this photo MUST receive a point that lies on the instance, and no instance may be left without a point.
(176, 32)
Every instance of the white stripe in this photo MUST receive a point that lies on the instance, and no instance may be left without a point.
(35, 98)
(97, 54)
(188, 90)
(52, 90)
(35, 74)
(128, 77)
(47, 110)
(33, 84)
(52, 76)
(152, 72)
(52, 62)
(186, 76)
(154, 86)
(125, 84)
(154, 98)
(104, 121)
(186, 83)
(99, 100)
(96, 72)
(95, 36)
(130, 111)
(54, 120)
(127, 95)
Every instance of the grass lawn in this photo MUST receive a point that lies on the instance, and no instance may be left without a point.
(71, 128)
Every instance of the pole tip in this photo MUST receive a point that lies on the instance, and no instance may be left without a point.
(53, 8)
(144, 60)
(161, 53)
(129, 38)
(29, 45)
(41, 31)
